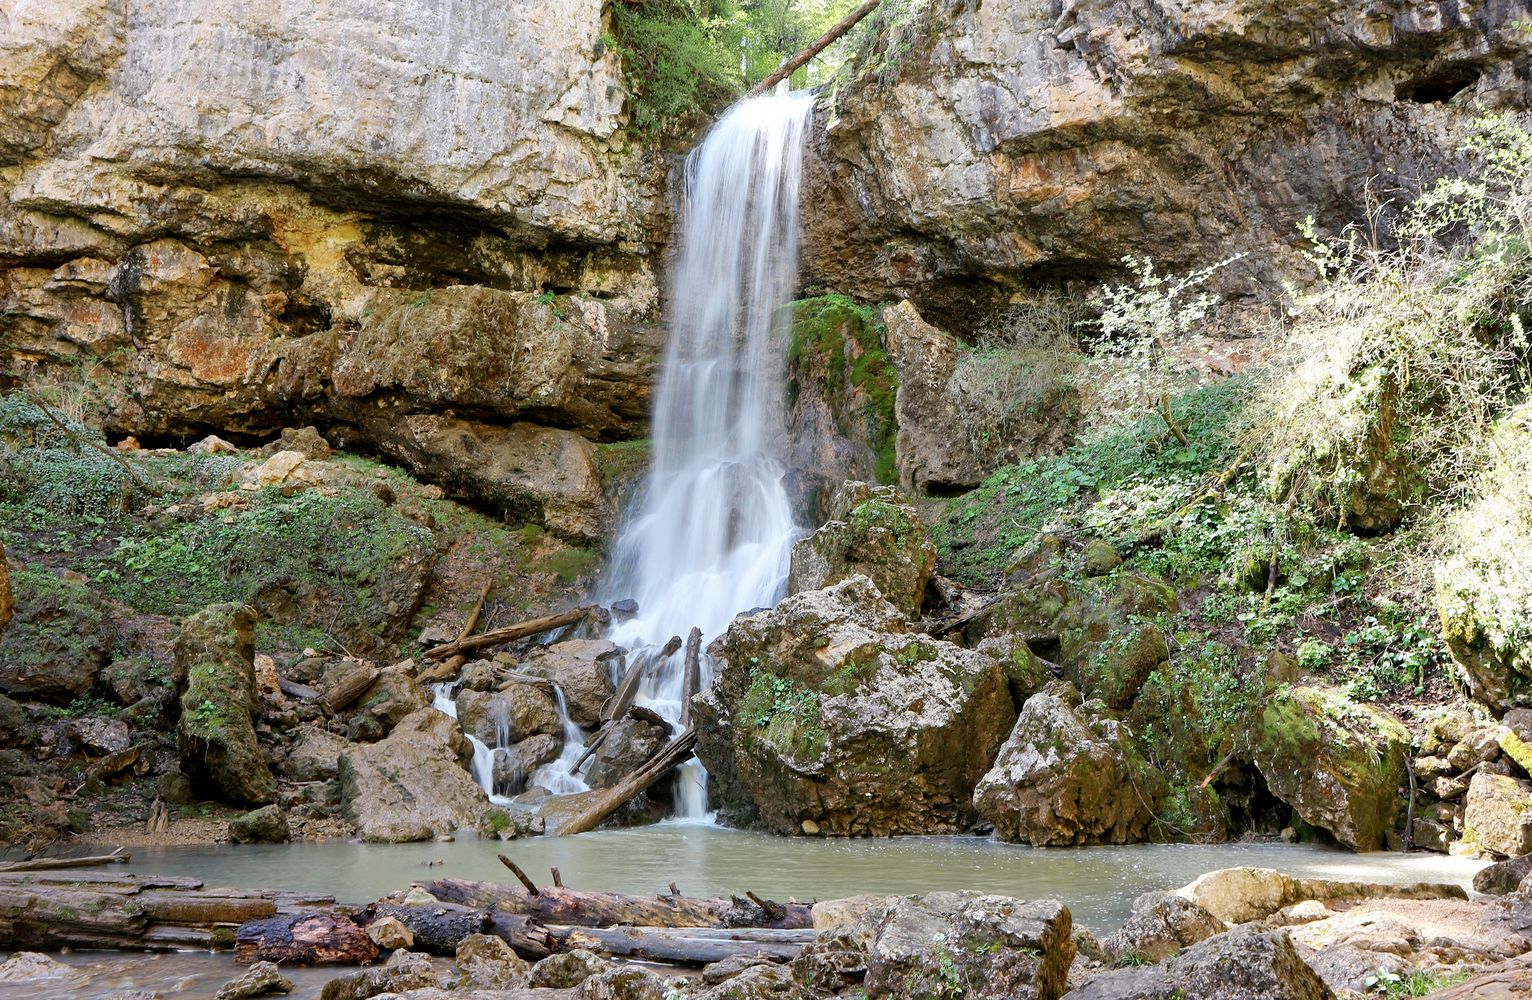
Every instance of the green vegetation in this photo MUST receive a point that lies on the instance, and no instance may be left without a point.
(841, 343)
(783, 714)
(1414, 983)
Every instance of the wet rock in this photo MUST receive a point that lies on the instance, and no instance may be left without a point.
(984, 946)
(390, 934)
(514, 766)
(1162, 924)
(501, 718)
(1499, 814)
(631, 743)
(579, 668)
(215, 676)
(58, 641)
(404, 970)
(266, 825)
(1068, 775)
(872, 531)
(826, 712)
(1503, 877)
(566, 969)
(35, 967)
(1247, 963)
(261, 979)
(99, 736)
(1240, 895)
(412, 785)
(485, 962)
(1339, 764)
(628, 982)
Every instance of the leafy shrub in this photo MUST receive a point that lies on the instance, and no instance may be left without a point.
(676, 65)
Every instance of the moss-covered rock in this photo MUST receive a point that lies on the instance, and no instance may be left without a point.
(875, 532)
(266, 825)
(7, 602)
(1068, 775)
(58, 641)
(1337, 763)
(215, 675)
(827, 717)
(1498, 816)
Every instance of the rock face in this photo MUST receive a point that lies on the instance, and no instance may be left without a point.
(827, 717)
(1068, 775)
(1054, 140)
(412, 785)
(1499, 814)
(972, 945)
(872, 531)
(58, 640)
(1247, 963)
(1339, 764)
(215, 676)
(445, 218)
(579, 668)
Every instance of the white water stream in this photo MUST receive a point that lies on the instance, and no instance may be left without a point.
(713, 528)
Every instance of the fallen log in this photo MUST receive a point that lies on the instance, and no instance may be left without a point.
(295, 690)
(119, 856)
(441, 928)
(315, 937)
(555, 905)
(448, 669)
(350, 687)
(500, 636)
(691, 674)
(602, 804)
(818, 45)
(688, 946)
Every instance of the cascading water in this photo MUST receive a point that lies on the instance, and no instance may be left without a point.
(483, 765)
(714, 529)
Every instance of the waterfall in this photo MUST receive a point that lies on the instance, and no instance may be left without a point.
(483, 765)
(713, 529)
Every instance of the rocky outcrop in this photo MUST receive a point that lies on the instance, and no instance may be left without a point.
(58, 640)
(412, 785)
(872, 531)
(215, 677)
(1056, 139)
(1339, 764)
(1068, 775)
(1162, 924)
(1240, 895)
(447, 218)
(827, 717)
(1247, 963)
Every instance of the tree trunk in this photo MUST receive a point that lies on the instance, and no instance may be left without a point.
(314, 937)
(557, 905)
(691, 676)
(449, 669)
(500, 636)
(823, 41)
(350, 687)
(602, 804)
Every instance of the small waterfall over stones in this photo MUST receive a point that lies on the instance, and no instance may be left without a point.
(713, 530)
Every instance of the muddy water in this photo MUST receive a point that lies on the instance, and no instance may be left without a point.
(1098, 883)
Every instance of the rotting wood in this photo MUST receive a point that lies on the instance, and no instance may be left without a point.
(691, 675)
(439, 928)
(500, 636)
(521, 876)
(118, 857)
(590, 908)
(558, 879)
(295, 690)
(602, 805)
(315, 937)
(689, 946)
(800, 60)
(449, 668)
(350, 687)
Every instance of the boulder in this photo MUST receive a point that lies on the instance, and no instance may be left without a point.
(566, 969)
(826, 716)
(24, 967)
(215, 677)
(626, 982)
(579, 668)
(750, 978)
(261, 979)
(515, 765)
(395, 694)
(1503, 877)
(98, 736)
(1068, 775)
(412, 785)
(1480, 746)
(872, 531)
(1162, 924)
(972, 945)
(505, 717)
(1240, 895)
(314, 755)
(16, 728)
(58, 641)
(628, 747)
(404, 970)
(485, 962)
(306, 441)
(1337, 763)
(390, 934)
(1499, 814)
(1247, 963)
(266, 825)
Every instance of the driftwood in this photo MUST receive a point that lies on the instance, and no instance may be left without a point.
(295, 690)
(315, 937)
(500, 636)
(819, 44)
(554, 905)
(602, 804)
(91, 909)
(117, 857)
(688, 946)
(691, 675)
(448, 669)
(441, 927)
(350, 687)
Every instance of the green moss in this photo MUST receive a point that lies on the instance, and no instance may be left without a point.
(621, 465)
(569, 564)
(845, 340)
(783, 714)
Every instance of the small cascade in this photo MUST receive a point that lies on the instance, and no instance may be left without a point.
(443, 699)
(559, 777)
(714, 529)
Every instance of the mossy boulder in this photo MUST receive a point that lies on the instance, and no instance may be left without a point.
(1068, 775)
(1337, 763)
(1498, 816)
(872, 531)
(266, 825)
(58, 640)
(828, 717)
(215, 677)
(1484, 584)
